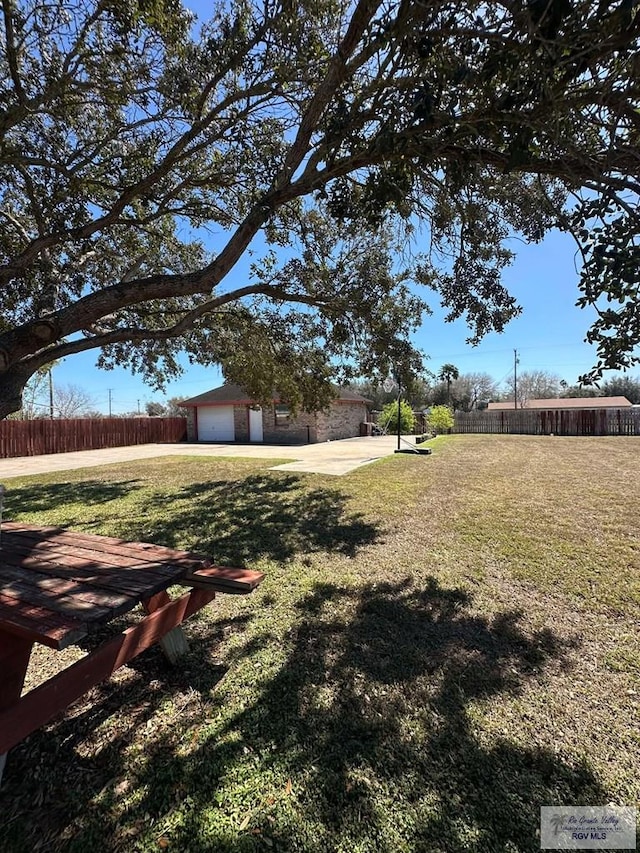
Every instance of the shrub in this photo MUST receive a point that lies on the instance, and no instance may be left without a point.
(389, 417)
(440, 419)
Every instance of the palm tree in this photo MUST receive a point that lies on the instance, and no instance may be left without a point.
(448, 373)
(557, 822)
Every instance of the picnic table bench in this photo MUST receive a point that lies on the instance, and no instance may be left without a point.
(58, 587)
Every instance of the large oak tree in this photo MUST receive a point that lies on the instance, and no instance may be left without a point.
(326, 131)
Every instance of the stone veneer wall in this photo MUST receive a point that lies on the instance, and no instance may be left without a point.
(191, 424)
(293, 431)
(241, 423)
(344, 419)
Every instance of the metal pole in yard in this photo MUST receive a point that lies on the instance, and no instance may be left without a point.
(50, 395)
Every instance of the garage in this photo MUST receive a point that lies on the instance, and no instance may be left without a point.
(215, 423)
(228, 413)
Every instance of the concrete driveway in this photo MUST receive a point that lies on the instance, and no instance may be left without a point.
(331, 457)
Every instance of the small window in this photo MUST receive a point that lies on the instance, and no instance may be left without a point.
(283, 413)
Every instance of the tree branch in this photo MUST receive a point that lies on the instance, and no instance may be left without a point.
(12, 56)
(186, 323)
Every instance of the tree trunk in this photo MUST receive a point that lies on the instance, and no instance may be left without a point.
(11, 389)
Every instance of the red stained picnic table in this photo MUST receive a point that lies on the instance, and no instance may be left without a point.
(58, 587)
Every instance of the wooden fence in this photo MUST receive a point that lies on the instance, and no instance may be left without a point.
(552, 422)
(31, 438)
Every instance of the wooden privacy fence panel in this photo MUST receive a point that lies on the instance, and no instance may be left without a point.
(551, 421)
(32, 438)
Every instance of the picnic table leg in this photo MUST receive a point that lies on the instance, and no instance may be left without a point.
(14, 660)
(174, 643)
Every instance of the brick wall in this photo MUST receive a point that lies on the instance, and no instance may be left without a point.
(241, 423)
(191, 424)
(344, 419)
(299, 430)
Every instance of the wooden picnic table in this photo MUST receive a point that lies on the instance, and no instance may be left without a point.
(58, 587)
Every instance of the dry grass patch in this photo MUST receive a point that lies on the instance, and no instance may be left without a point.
(561, 512)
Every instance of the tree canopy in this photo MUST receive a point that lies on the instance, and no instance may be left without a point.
(467, 392)
(312, 138)
(622, 386)
(534, 385)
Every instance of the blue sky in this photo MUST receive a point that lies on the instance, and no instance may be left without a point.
(549, 335)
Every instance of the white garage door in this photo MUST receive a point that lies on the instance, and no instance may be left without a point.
(215, 423)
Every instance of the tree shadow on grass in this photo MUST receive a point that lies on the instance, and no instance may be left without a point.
(370, 715)
(397, 734)
(54, 774)
(44, 497)
(262, 515)
(232, 521)
(373, 718)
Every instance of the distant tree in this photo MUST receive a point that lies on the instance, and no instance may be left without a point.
(417, 392)
(448, 372)
(373, 390)
(71, 401)
(534, 385)
(155, 409)
(622, 386)
(174, 409)
(438, 394)
(35, 400)
(579, 391)
(470, 389)
(171, 408)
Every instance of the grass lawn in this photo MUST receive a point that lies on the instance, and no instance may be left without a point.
(441, 645)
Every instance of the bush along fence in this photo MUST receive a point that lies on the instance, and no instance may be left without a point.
(551, 422)
(31, 438)
(419, 425)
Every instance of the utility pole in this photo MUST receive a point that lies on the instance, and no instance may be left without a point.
(515, 379)
(50, 395)
(110, 390)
